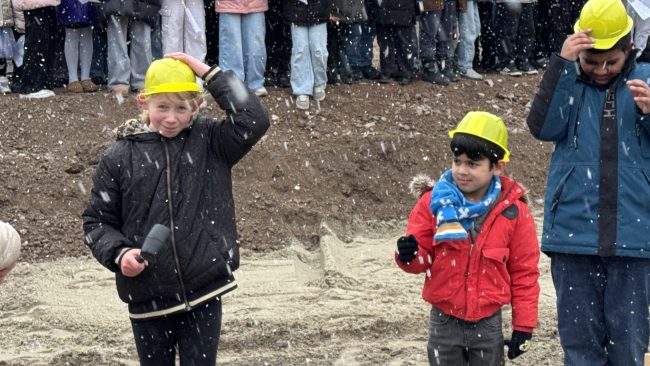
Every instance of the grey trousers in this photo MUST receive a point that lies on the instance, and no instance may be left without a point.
(126, 67)
(453, 341)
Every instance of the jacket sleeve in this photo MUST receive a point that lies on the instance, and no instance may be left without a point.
(548, 119)
(246, 119)
(102, 218)
(524, 271)
(421, 225)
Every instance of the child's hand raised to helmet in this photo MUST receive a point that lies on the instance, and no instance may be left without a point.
(576, 43)
(641, 93)
(197, 66)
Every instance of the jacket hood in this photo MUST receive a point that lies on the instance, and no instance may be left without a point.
(130, 127)
(134, 127)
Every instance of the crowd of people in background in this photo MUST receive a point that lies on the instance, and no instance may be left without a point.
(299, 44)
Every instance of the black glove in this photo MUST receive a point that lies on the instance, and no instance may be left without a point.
(519, 343)
(407, 248)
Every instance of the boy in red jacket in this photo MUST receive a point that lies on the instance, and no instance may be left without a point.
(474, 238)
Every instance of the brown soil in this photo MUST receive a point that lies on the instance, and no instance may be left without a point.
(350, 159)
(320, 202)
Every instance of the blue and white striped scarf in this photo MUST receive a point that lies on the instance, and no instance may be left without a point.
(455, 214)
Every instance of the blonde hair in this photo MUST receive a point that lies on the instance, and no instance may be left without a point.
(195, 98)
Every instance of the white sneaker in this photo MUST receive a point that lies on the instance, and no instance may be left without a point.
(471, 74)
(302, 102)
(4, 85)
(319, 93)
(261, 92)
(43, 93)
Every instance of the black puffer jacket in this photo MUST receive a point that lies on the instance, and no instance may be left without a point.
(314, 12)
(142, 10)
(182, 182)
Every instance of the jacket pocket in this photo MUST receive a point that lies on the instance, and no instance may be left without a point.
(555, 198)
(494, 279)
(644, 140)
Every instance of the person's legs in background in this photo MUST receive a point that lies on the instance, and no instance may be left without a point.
(231, 55)
(140, 53)
(278, 47)
(525, 41)
(469, 28)
(302, 74)
(253, 28)
(444, 39)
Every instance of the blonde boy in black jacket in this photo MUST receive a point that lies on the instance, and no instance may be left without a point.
(173, 167)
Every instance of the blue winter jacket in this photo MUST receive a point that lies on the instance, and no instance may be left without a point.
(599, 177)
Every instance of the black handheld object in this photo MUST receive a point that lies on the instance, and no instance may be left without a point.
(156, 239)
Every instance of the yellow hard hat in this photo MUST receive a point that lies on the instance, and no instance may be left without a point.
(168, 75)
(486, 126)
(608, 21)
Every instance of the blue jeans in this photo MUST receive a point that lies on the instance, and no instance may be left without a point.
(195, 334)
(308, 58)
(469, 26)
(602, 306)
(361, 40)
(454, 341)
(242, 48)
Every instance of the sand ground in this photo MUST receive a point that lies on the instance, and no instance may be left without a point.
(343, 304)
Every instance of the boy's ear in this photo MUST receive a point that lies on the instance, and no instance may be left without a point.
(500, 167)
(142, 101)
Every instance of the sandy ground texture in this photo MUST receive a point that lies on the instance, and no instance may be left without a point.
(345, 303)
(320, 201)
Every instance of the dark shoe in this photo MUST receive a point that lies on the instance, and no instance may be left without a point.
(450, 74)
(333, 78)
(510, 69)
(346, 78)
(384, 79)
(370, 73)
(405, 81)
(75, 87)
(271, 80)
(357, 74)
(434, 77)
(283, 81)
(88, 86)
(540, 62)
(527, 68)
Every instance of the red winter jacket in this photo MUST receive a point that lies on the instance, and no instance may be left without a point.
(473, 281)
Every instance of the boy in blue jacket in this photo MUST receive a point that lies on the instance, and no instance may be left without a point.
(593, 104)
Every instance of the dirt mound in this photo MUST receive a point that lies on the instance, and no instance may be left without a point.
(350, 158)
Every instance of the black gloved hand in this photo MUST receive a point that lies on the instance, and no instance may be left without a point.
(519, 343)
(407, 248)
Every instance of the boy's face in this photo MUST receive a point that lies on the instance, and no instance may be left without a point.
(603, 67)
(168, 115)
(473, 177)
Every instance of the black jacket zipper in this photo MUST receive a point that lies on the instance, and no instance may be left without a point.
(171, 223)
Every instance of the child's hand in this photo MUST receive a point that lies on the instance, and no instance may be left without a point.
(197, 66)
(641, 93)
(407, 248)
(576, 43)
(518, 344)
(129, 265)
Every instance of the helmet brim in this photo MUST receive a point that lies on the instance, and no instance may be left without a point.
(173, 88)
(607, 43)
